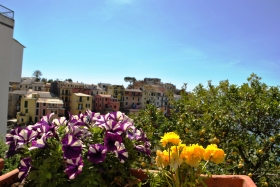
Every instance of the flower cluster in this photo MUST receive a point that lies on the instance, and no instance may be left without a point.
(89, 137)
(181, 163)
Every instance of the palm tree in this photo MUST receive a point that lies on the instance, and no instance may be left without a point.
(37, 74)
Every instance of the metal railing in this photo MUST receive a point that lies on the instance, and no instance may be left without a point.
(6, 12)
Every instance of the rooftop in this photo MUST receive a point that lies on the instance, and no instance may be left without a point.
(50, 101)
(6, 12)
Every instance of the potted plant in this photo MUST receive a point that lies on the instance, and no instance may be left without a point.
(87, 150)
(181, 165)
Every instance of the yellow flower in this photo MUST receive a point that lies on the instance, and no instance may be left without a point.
(170, 137)
(162, 158)
(175, 160)
(192, 155)
(214, 154)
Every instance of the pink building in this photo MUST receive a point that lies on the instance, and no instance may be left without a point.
(106, 103)
(46, 106)
(132, 99)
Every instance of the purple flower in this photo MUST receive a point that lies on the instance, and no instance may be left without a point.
(96, 153)
(71, 146)
(116, 116)
(39, 143)
(25, 136)
(101, 120)
(10, 137)
(74, 130)
(47, 119)
(146, 148)
(91, 117)
(60, 122)
(110, 139)
(25, 165)
(120, 152)
(74, 167)
(135, 134)
(12, 150)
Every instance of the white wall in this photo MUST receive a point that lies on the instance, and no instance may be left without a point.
(6, 40)
(16, 62)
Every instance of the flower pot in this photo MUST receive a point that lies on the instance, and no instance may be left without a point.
(9, 178)
(230, 181)
(214, 181)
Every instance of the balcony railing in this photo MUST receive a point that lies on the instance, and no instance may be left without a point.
(6, 12)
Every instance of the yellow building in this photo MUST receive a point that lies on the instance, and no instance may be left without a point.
(117, 91)
(34, 105)
(27, 109)
(80, 103)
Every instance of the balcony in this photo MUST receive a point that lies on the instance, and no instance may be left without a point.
(6, 12)
(80, 108)
(21, 114)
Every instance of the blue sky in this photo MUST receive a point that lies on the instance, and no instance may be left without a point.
(182, 41)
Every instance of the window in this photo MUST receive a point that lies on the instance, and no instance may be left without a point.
(37, 112)
(126, 97)
(44, 104)
(115, 106)
(132, 98)
(25, 104)
(126, 103)
(44, 112)
(26, 110)
(88, 98)
(81, 99)
(37, 105)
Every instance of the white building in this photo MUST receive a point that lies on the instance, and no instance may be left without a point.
(11, 53)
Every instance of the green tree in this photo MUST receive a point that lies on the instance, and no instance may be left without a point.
(50, 80)
(37, 74)
(243, 120)
(129, 79)
(44, 80)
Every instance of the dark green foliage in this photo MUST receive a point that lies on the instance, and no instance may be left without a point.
(243, 120)
(10, 163)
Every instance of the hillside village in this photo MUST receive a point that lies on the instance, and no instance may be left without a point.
(31, 99)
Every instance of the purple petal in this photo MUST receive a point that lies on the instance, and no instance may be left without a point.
(11, 151)
(71, 146)
(10, 136)
(40, 143)
(110, 139)
(97, 153)
(74, 167)
(92, 117)
(116, 116)
(25, 165)
(26, 136)
(120, 152)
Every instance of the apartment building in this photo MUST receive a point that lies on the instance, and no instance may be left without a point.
(132, 99)
(11, 55)
(117, 91)
(14, 102)
(95, 90)
(34, 105)
(106, 103)
(80, 103)
(30, 83)
(63, 89)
